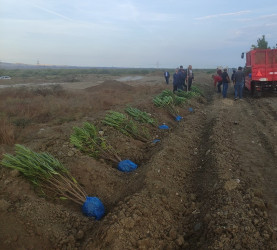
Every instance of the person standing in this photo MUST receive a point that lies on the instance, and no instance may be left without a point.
(190, 77)
(166, 76)
(239, 82)
(225, 82)
(184, 72)
(175, 80)
(233, 76)
(216, 79)
(219, 83)
(181, 79)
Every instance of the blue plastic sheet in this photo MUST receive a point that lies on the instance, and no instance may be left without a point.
(93, 207)
(191, 110)
(126, 166)
(163, 127)
(178, 118)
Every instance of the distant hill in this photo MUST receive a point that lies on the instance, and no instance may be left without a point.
(7, 66)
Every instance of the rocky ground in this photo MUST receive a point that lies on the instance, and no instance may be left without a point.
(210, 183)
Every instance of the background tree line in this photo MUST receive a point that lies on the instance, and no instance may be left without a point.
(262, 44)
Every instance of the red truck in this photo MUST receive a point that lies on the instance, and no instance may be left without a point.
(261, 71)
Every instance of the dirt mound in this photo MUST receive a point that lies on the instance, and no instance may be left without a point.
(111, 85)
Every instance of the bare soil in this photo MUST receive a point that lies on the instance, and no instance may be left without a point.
(210, 183)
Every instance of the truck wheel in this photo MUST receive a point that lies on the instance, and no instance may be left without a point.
(254, 91)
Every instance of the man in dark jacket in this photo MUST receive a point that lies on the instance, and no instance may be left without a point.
(225, 82)
(181, 79)
(166, 76)
(233, 77)
(175, 80)
(239, 83)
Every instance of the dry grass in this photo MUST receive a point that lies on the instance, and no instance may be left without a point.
(38, 106)
(22, 107)
(7, 132)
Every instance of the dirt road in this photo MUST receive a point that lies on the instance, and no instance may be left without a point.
(209, 184)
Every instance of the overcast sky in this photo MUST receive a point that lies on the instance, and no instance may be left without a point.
(134, 33)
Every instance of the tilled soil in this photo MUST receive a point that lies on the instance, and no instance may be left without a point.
(209, 184)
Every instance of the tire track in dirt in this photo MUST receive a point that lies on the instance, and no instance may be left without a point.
(264, 114)
(232, 210)
(266, 136)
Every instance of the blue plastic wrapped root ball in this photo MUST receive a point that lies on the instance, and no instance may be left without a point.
(126, 166)
(93, 207)
(163, 127)
(178, 118)
(191, 110)
(156, 140)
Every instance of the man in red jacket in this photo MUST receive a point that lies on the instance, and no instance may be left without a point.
(217, 79)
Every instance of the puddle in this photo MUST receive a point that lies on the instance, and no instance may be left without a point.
(121, 79)
(28, 85)
(129, 78)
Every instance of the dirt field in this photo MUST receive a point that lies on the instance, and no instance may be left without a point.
(209, 184)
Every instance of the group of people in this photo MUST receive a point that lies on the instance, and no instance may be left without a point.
(223, 79)
(182, 78)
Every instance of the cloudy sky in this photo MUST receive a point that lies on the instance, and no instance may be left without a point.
(134, 33)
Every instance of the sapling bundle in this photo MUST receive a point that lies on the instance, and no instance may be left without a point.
(194, 92)
(166, 92)
(177, 100)
(167, 103)
(140, 116)
(89, 141)
(127, 126)
(47, 173)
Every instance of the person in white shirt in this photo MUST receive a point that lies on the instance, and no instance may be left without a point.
(166, 76)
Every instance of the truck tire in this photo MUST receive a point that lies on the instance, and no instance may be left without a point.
(254, 91)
